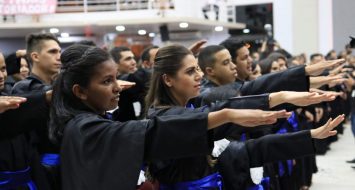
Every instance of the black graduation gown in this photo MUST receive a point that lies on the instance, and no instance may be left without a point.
(293, 79)
(236, 160)
(197, 167)
(136, 93)
(97, 153)
(16, 151)
(39, 137)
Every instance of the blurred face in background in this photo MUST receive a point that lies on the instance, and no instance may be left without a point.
(243, 62)
(24, 71)
(3, 73)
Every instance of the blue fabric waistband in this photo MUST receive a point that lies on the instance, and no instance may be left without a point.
(208, 182)
(50, 159)
(21, 178)
(264, 185)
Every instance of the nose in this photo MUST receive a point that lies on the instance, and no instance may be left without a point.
(117, 88)
(233, 66)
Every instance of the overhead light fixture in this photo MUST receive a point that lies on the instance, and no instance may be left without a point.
(152, 34)
(120, 28)
(64, 35)
(142, 32)
(246, 31)
(184, 25)
(218, 28)
(53, 30)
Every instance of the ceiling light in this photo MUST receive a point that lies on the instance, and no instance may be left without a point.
(184, 25)
(218, 28)
(152, 34)
(54, 30)
(120, 28)
(64, 35)
(142, 32)
(246, 31)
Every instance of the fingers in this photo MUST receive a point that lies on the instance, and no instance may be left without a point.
(336, 121)
(10, 102)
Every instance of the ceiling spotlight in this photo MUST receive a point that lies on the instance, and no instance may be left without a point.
(218, 28)
(142, 32)
(120, 28)
(152, 34)
(184, 25)
(246, 31)
(64, 35)
(54, 30)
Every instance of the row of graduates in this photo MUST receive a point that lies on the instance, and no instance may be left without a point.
(175, 141)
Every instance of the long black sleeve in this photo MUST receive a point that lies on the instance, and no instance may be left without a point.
(177, 137)
(293, 79)
(15, 121)
(271, 148)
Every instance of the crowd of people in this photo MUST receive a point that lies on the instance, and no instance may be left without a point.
(177, 118)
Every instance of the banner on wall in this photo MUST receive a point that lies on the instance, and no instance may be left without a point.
(27, 7)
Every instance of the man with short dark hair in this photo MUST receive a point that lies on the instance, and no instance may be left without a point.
(316, 58)
(148, 56)
(240, 55)
(131, 104)
(43, 51)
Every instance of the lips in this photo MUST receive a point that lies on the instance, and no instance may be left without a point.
(116, 98)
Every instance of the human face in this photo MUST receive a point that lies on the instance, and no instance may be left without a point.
(24, 70)
(3, 73)
(317, 59)
(243, 62)
(224, 70)
(186, 84)
(256, 73)
(127, 63)
(275, 67)
(152, 54)
(48, 59)
(282, 64)
(103, 91)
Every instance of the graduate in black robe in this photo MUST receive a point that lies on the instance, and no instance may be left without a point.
(97, 153)
(17, 153)
(168, 95)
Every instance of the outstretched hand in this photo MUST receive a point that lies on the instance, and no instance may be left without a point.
(10, 102)
(124, 85)
(252, 118)
(327, 129)
(318, 68)
(307, 98)
(196, 47)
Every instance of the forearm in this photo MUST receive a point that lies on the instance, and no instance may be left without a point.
(218, 118)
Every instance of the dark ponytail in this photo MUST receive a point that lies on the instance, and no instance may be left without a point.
(79, 63)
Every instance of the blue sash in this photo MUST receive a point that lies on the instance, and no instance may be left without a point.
(22, 178)
(208, 182)
(50, 159)
(289, 163)
(293, 122)
(264, 185)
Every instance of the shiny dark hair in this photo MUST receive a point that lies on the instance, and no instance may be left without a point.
(34, 42)
(167, 61)
(79, 64)
(145, 56)
(207, 58)
(116, 53)
(233, 44)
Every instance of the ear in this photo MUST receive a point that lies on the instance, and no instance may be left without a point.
(167, 80)
(209, 71)
(79, 92)
(146, 64)
(34, 56)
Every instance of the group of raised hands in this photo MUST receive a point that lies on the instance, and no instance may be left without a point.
(250, 118)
